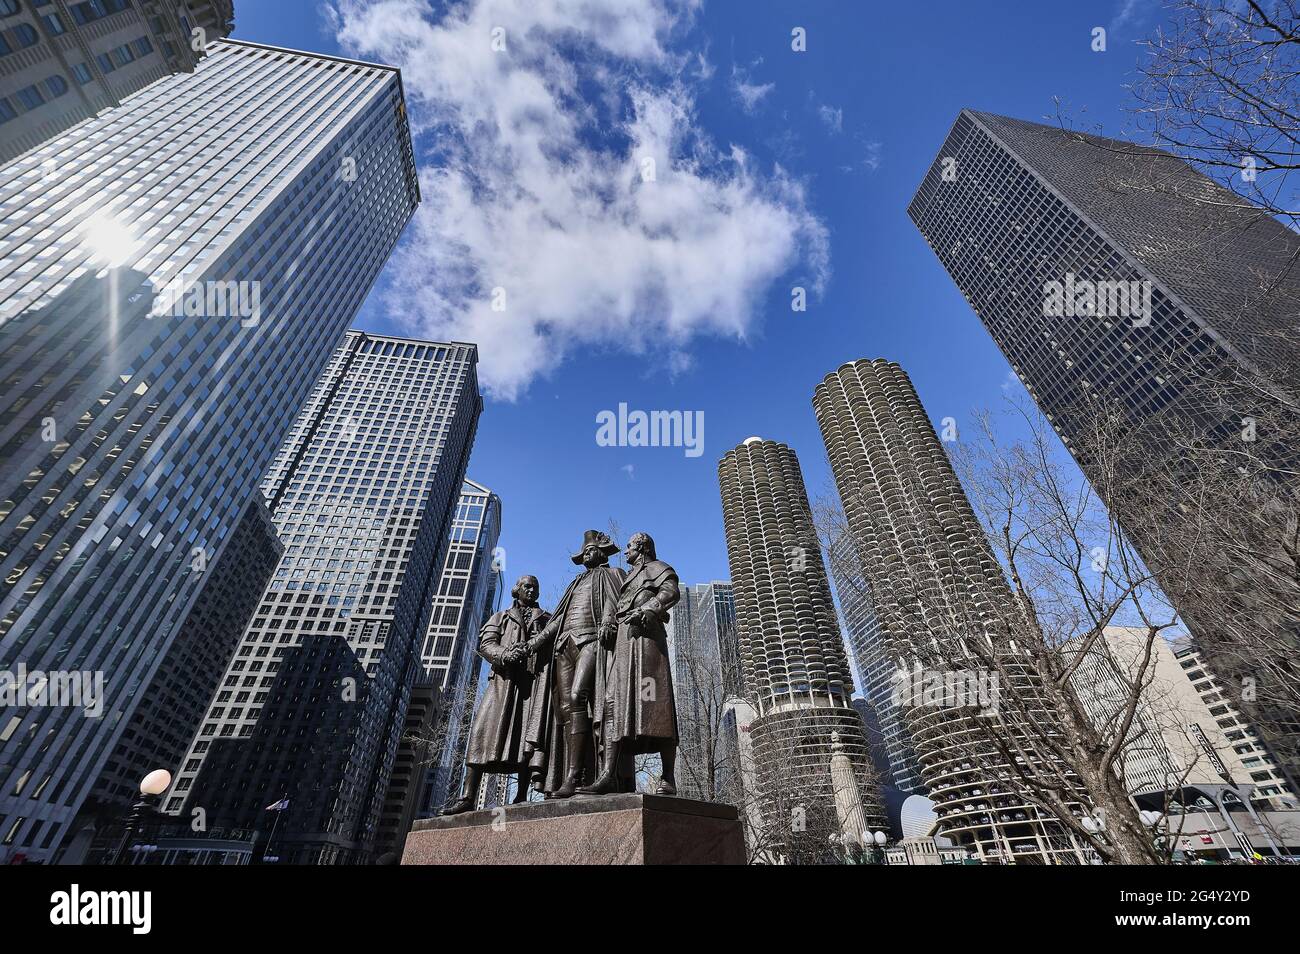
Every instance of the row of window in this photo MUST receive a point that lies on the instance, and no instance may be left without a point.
(33, 96)
(55, 86)
(24, 34)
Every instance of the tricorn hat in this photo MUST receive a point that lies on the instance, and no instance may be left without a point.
(594, 538)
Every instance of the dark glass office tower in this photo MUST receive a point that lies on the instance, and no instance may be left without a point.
(1119, 281)
(313, 703)
(177, 698)
(167, 301)
(794, 671)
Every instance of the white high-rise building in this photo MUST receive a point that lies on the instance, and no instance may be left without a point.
(174, 275)
(1187, 736)
(794, 671)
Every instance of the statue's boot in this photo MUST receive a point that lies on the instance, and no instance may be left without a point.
(668, 779)
(459, 806)
(575, 752)
(607, 781)
(473, 778)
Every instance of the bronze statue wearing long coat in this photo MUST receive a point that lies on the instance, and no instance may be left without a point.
(643, 712)
(497, 738)
(636, 704)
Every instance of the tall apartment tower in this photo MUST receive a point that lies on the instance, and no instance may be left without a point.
(794, 672)
(706, 674)
(168, 299)
(918, 542)
(869, 653)
(1180, 321)
(449, 661)
(62, 62)
(313, 703)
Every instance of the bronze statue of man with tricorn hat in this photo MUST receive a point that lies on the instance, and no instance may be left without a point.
(582, 624)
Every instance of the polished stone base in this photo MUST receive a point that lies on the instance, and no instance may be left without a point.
(590, 830)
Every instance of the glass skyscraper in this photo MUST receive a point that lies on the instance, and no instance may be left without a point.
(469, 583)
(363, 493)
(174, 275)
(1180, 301)
(869, 652)
(170, 712)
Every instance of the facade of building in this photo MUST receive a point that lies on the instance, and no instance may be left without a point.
(167, 303)
(1274, 789)
(926, 851)
(701, 634)
(921, 548)
(868, 651)
(430, 753)
(1187, 733)
(794, 671)
(176, 700)
(470, 584)
(62, 61)
(312, 706)
(1129, 292)
(415, 749)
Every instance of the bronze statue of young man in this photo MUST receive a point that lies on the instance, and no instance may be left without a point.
(583, 614)
(497, 735)
(638, 709)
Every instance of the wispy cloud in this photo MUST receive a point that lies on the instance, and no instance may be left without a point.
(873, 154)
(1129, 12)
(565, 176)
(748, 94)
(832, 117)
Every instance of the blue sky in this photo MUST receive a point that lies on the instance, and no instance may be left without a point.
(774, 168)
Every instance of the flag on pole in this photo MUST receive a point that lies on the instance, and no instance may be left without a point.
(279, 806)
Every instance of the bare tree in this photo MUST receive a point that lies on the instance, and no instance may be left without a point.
(1023, 607)
(1220, 88)
(779, 780)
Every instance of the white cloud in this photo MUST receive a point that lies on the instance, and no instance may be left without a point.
(533, 183)
(832, 117)
(748, 95)
(872, 159)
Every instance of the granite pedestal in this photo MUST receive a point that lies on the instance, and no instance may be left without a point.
(591, 830)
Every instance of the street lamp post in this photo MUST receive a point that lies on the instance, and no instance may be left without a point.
(878, 840)
(151, 786)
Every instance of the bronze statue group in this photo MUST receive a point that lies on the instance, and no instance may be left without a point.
(575, 695)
